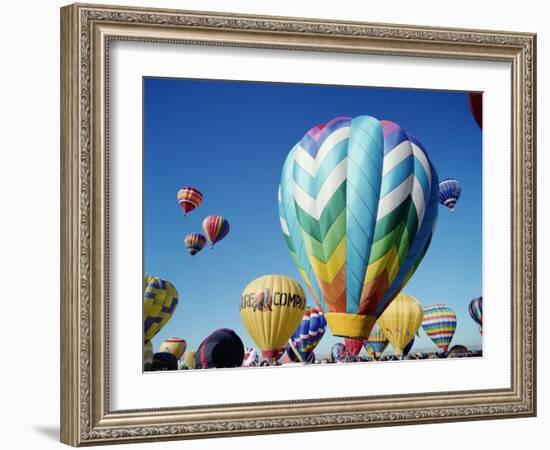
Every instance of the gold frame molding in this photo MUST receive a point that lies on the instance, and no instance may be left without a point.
(86, 31)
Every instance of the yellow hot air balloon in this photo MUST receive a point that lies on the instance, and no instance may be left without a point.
(189, 359)
(176, 346)
(401, 320)
(272, 307)
(147, 353)
(160, 299)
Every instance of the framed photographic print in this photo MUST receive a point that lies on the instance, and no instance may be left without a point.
(255, 207)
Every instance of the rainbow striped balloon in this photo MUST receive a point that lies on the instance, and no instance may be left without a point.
(439, 323)
(476, 312)
(189, 198)
(357, 205)
(377, 342)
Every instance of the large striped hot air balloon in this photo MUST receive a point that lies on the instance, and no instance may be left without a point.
(176, 346)
(160, 299)
(401, 321)
(449, 193)
(194, 242)
(376, 343)
(353, 346)
(476, 312)
(308, 334)
(272, 307)
(357, 204)
(215, 228)
(439, 323)
(189, 198)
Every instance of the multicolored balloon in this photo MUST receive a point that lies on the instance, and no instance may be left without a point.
(357, 205)
(476, 312)
(353, 346)
(449, 193)
(308, 334)
(148, 353)
(338, 352)
(160, 299)
(176, 346)
(401, 321)
(189, 198)
(215, 228)
(272, 307)
(439, 323)
(376, 343)
(194, 242)
(251, 357)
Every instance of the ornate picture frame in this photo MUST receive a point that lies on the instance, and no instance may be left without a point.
(87, 32)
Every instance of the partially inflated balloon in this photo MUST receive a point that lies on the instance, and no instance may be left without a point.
(160, 299)
(176, 346)
(401, 321)
(194, 242)
(338, 352)
(353, 346)
(189, 198)
(439, 324)
(476, 312)
(223, 348)
(215, 228)
(309, 333)
(189, 359)
(376, 343)
(449, 193)
(357, 204)
(271, 308)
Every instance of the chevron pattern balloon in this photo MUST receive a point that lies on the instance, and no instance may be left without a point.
(439, 323)
(358, 205)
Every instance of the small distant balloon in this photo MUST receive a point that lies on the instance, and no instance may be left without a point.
(449, 193)
(439, 323)
(189, 198)
(176, 346)
(215, 228)
(476, 312)
(194, 242)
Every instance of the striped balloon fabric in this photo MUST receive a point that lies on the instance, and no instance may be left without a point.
(194, 242)
(176, 346)
(409, 347)
(376, 343)
(439, 323)
(357, 204)
(189, 198)
(215, 228)
(251, 357)
(449, 193)
(309, 332)
(476, 312)
(338, 352)
(160, 299)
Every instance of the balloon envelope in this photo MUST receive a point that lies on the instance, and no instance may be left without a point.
(338, 352)
(272, 307)
(223, 348)
(439, 323)
(475, 102)
(408, 348)
(147, 354)
(251, 357)
(401, 321)
(215, 228)
(164, 361)
(376, 343)
(353, 346)
(476, 312)
(449, 192)
(160, 299)
(194, 242)
(309, 333)
(176, 346)
(357, 205)
(189, 198)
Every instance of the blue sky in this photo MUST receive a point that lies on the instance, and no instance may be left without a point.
(229, 139)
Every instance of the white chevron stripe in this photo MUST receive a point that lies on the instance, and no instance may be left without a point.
(279, 195)
(394, 198)
(284, 226)
(397, 155)
(311, 165)
(315, 207)
(420, 155)
(418, 200)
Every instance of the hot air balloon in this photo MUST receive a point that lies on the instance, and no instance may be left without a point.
(176, 346)
(251, 357)
(160, 299)
(475, 102)
(189, 359)
(449, 193)
(439, 323)
(376, 343)
(408, 348)
(194, 242)
(353, 346)
(308, 334)
(147, 355)
(357, 205)
(189, 198)
(215, 228)
(476, 312)
(271, 308)
(293, 356)
(164, 361)
(400, 321)
(338, 352)
(223, 348)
